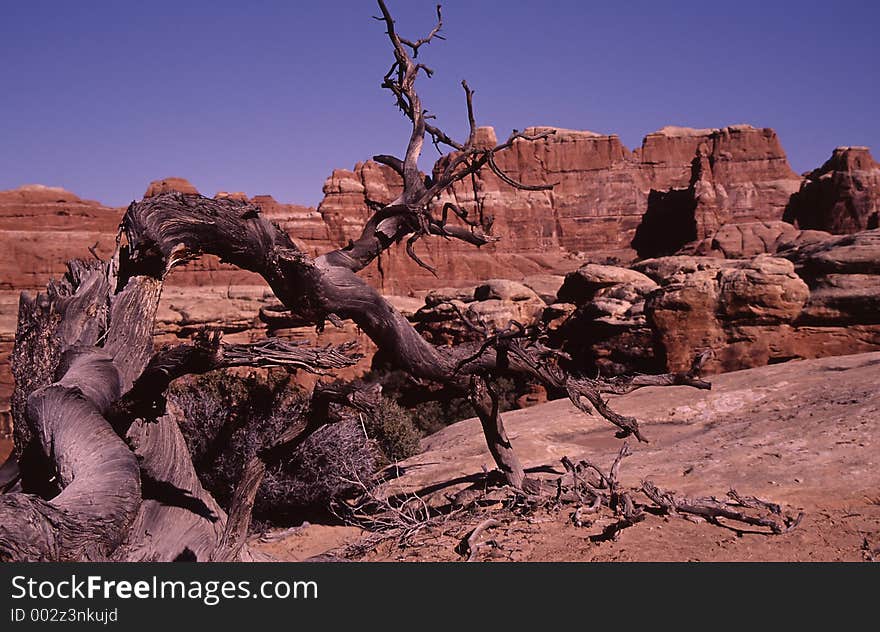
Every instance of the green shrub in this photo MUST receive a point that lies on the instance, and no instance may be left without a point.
(438, 412)
(393, 430)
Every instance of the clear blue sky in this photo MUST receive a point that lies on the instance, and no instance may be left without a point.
(269, 96)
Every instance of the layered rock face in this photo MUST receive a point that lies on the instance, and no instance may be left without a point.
(843, 273)
(735, 307)
(601, 194)
(40, 229)
(841, 196)
(43, 227)
(738, 174)
(681, 185)
(524, 251)
(602, 190)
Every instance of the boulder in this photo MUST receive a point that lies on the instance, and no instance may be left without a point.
(749, 239)
(503, 290)
(750, 312)
(440, 324)
(765, 290)
(607, 331)
(582, 285)
(494, 304)
(556, 314)
(446, 294)
(819, 296)
(498, 314)
(843, 273)
(546, 286)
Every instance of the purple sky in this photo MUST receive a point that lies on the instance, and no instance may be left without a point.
(266, 96)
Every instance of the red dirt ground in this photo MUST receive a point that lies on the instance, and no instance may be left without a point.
(802, 434)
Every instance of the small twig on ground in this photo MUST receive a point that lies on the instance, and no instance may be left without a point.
(470, 543)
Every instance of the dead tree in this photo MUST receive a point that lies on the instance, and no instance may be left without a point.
(108, 472)
(104, 472)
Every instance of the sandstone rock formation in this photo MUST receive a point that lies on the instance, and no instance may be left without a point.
(603, 192)
(348, 196)
(607, 330)
(841, 196)
(729, 306)
(843, 273)
(585, 283)
(738, 174)
(819, 296)
(545, 286)
(43, 227)
(725, 188)
(749, 239)
(493, 304)
(180, 185)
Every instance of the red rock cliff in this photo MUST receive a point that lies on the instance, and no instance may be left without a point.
(701, 178)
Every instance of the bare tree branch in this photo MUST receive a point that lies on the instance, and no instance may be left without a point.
(769, 515)
(470, 543)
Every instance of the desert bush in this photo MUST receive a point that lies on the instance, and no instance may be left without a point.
(317, 473)
(394, 430)
(435, 414)
(227, 418)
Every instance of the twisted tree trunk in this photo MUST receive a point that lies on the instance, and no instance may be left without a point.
(60, 414)
(102, 475)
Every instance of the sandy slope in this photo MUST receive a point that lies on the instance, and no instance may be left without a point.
(804, 434)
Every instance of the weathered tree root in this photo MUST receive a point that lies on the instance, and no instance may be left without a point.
(593, 491)
(605, 490)
(763, 514)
